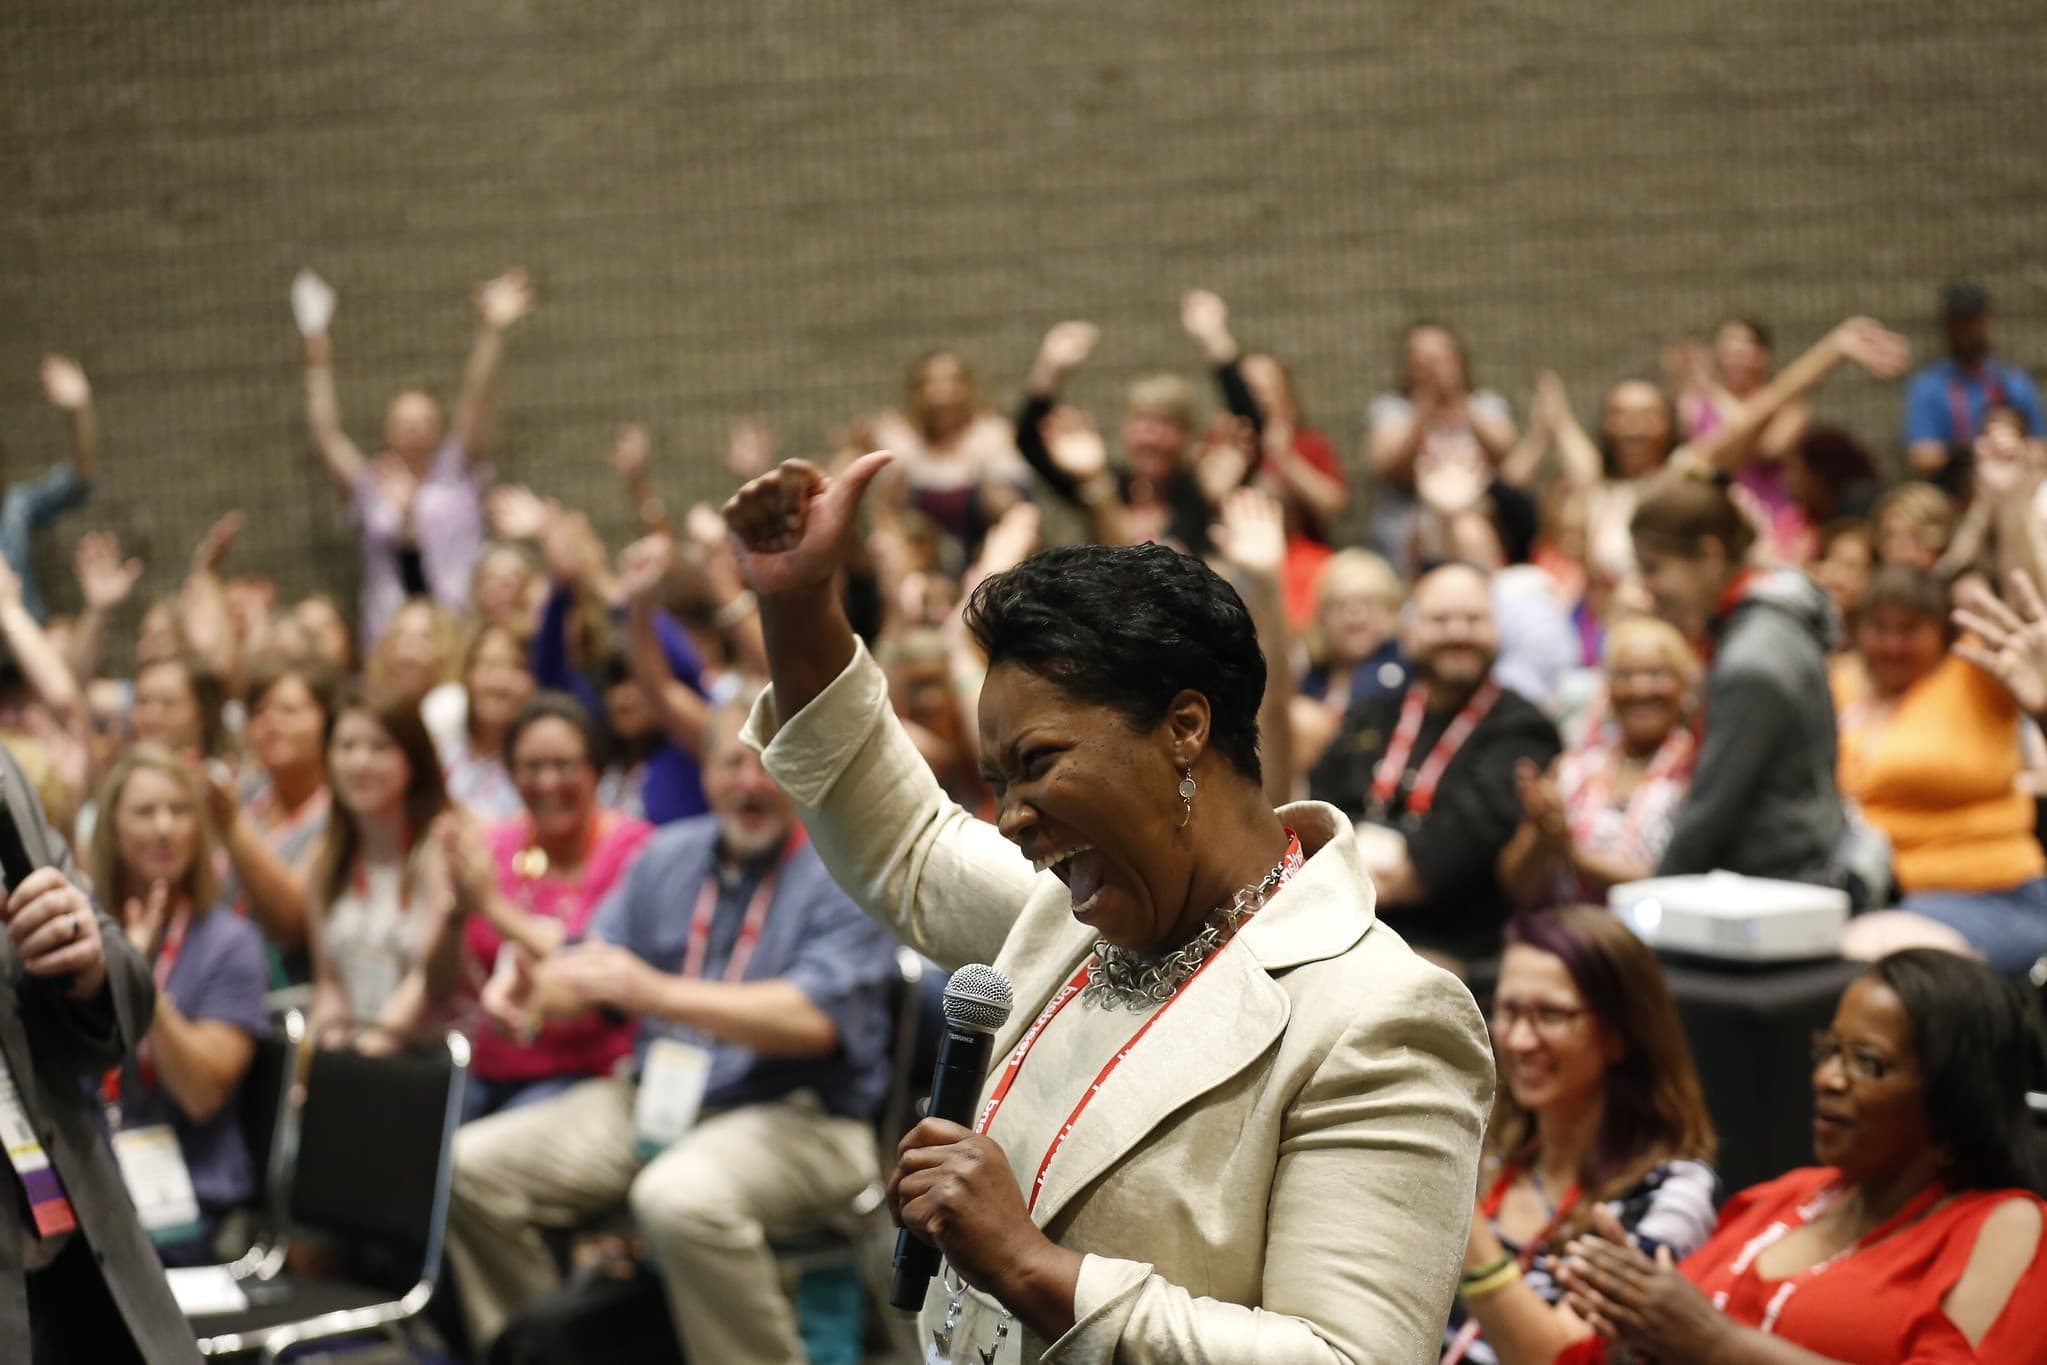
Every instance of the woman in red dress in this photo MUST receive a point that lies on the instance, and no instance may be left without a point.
(1919, 1237)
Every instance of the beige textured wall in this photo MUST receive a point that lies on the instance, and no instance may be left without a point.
(770, 206)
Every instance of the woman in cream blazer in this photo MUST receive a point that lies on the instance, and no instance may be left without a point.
(1280, 1167)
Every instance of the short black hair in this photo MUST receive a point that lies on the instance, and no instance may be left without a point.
(1130, 627)
(552, 705)
(1979, 1045)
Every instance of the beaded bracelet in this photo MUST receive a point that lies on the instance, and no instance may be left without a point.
(1486, 1271)
(1499, 1279)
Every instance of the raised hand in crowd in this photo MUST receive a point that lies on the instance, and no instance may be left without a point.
(202, 601)
(65, 385)
(1251, 538)
(750, 448)
(1066, 348)
(632, 459)
(516, 512)
(500, 304)
(1224, 458)
(105, 583)
(1206, 319)
(2010, 640)
(1077, 451)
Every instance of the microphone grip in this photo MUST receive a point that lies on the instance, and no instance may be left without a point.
(955, 1086)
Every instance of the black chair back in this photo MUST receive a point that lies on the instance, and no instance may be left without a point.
(268, 1116)
(376, 1143)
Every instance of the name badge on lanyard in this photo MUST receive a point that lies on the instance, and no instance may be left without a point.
(677, 1070)
(153, 1168)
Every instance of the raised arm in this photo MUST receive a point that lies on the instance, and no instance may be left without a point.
(278, 892)
(1065, 349)
(1868, 343)
(105, 582)
(500, 303)
(899, 846)
(631, 458)
(202, 602)
(48, 674)
(1252, 538)
(340, 457)
(684, 715)
(65, 385)
(1076, 450)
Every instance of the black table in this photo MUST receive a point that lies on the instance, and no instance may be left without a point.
(1751, 1032)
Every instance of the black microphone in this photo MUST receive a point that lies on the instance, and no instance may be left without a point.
(977, 1002)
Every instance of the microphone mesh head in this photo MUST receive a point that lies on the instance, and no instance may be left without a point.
(977, 997)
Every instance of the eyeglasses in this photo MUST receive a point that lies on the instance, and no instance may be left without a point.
(535, 768)
(1863, 1064)
(1548, 1021)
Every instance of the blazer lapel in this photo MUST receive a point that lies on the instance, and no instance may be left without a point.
(1221, 1022)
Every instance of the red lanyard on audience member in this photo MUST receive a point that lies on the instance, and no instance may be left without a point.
(1959, 415)
(749, 928)
(1290, 863)
(1422, 795)
(1914, 1209)
(1672, 757)
(160, 972)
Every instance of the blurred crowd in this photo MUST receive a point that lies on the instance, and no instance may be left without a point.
(1536, 645)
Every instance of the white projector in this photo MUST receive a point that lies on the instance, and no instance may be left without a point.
(1732, 917)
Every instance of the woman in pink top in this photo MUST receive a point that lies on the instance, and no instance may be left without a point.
(534, 882)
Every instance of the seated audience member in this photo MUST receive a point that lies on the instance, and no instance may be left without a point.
(495, 684)
(1353, 648)
(1430, 773)
(276, 820)
(534, 881)
(419, 503)
(1917, 1238)
(1914, 523)
(417, 657)
(326, 629)
(380, 888)
(736, 952)
(1945, 403)
(1604, 812)
(956, 459)
(1432, 414)
(1598, 1108)
(1845, 557)
(1156, 496)
(1762, 800)
(31, 504)
(506, 588)
(178, 706)
(152, 859)
(1930, 754)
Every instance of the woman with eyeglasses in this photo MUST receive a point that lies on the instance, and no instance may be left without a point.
(533, 882)
(1917, 1237)
(1598, 1115)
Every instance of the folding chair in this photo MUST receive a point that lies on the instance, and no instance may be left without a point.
(375, 1150)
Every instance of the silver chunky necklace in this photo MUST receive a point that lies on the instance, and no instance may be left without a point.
(1122, 978)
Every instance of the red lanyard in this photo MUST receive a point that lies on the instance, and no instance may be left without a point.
(749, 928)
(1289, 865)
(1964, 422)
(160, 971)
(1422, 795)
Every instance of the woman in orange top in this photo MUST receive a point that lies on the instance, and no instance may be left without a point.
(1918, 1240)
(1929, 749)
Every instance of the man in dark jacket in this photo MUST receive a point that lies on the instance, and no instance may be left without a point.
(79, 1280)
(1429, 773)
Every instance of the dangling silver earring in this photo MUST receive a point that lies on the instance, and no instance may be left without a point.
(1186, 796)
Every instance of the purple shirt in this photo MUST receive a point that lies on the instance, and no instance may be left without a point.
(219, 974)
(447, 519)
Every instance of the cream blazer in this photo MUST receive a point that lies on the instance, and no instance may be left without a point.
(1286, 1171)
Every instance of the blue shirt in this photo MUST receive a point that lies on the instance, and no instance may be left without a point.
(1929, 405)
(28, 507)
(813, 936)
(219, 974)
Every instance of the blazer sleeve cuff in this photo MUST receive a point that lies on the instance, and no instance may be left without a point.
(808, 752)
(1103, 1297)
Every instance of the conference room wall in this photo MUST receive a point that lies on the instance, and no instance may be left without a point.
(770, 207)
